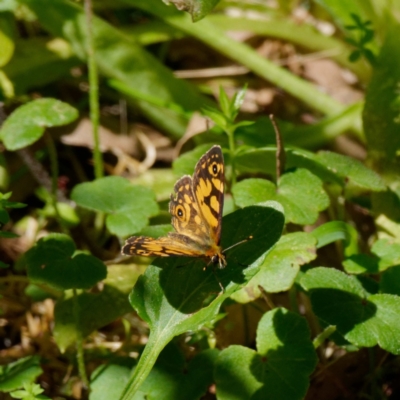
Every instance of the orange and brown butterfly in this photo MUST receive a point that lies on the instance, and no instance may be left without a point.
(196, 210)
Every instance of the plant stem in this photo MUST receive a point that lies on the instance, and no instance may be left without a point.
(54, 177)
(230, 132)
(93, 93)
(144, 366)
(79, 341)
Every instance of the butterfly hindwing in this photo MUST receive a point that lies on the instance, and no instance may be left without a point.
(186, 217)
(173, 244)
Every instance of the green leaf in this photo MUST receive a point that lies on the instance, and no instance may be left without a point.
(388, 251)
(7, 44)
(381, 112)
(108, 381)
(280, 267)
(279, 369)
(47, 60)
(27, 123)
(328, 166)
(351, 170)
(181, 296)
(390, 281)
(52, 261)
(129, 206)
(95, 309)
(300, 192)
(174, 378)
(364, 320)
(225, 103)
(337, 230)
(15, 374)
(360, 264)
(216, 116)
(160, 181)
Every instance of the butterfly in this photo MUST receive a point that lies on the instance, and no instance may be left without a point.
(196, 209)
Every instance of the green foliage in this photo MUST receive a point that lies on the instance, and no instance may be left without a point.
(24, 371)
(309, 201)
(284, 354)
(54, 261)
(363, 319)
(4, 216)
(30, 392)
(129, 212)
(27, 124)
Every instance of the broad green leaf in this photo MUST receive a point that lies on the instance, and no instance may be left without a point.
(172, 377)
(181, 296)
(388, 255)
(390, 281)
(280, 267)
(52, 262)
(263, 160)
(107, 382)
(28, 122)
(48, 61)
(388, 251)
(328, 166)
(7, 43)
(129, 206)
(280, 367)
(4, 217)
(95, 309)
(122, 58)
(351, 170)
(360, 264)
(364, 320)
(15, 374)
(337, 230)
(300, 193)
(160, 181)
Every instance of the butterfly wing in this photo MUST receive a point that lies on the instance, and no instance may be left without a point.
(173, 244)
(185, 212)
(208, 189)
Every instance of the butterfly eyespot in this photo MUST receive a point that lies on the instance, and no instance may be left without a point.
(180, 212)
(214, 168)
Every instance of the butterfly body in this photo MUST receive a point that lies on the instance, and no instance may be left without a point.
(196, 210)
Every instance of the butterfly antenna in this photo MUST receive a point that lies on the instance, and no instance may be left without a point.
(219, 282)
(237, 244)
(215, 276)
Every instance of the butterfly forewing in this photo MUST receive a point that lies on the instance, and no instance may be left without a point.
(208, 188)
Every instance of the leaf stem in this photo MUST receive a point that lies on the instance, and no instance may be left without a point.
(54, 178)
(146, 362)
(232, 148)
(79, 341)
(93, 93)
